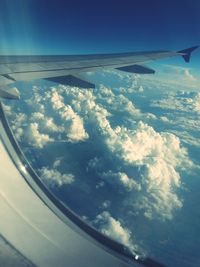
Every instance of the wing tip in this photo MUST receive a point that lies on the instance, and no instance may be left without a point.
(186, 53)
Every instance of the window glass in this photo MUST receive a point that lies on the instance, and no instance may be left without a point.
(123, 156)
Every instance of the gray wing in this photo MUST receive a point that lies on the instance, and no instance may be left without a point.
(66, 69)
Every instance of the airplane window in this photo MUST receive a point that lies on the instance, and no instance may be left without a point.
(122, 156)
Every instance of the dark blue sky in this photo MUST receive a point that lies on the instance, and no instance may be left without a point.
(71, 27)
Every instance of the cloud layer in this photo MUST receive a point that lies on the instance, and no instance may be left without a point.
(144, 164)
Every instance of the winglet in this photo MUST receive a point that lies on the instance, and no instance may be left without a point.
(186, 53)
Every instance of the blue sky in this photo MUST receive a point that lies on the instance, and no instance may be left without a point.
(76, 27)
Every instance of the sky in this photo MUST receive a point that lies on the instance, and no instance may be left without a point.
(81, 27)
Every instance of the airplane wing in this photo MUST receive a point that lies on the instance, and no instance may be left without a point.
(66, 69)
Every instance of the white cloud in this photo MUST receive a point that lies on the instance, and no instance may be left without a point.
(114, 229)
(196, 103)
(158, 155)
(57, 162)
(176, 75)
(57, 100)
(72, 122)
(121, 179)
(34, 137)
(46, 123)
(37, 116)
(164, 119)
(187, 137)
(117, 103)
(37, 100)
(189, 75)
(106, 204)
(121, 103)
(50, 125)
(18, 123)
(182, 100)
(54, 178)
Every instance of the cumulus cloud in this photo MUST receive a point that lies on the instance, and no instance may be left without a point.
(37, 100)
(114, 229)
(178, 72)
(117, 103)
(73, 123)
(17, 124)
(54, 178)
(159, 156)
(121, 179)
(34, 137)
(176, 75)
(186, 137)
(184, 101)
(46, 123)
(196, 103)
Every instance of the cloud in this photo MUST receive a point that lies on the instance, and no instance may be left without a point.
(72, 122)
(114, 229)
(34, 137)
(188, 75)
(37, 100)
(196, 103)
(54, 178)
(57, 162)
(121, 103)
(117, 103)
(157, 156)
(46, 123)
(178, 75)
(185, 101)
(95, 163)
(106, 204)
(100, 184)
(18, 122)
(187, 137)
(185, 72)
(121, 179)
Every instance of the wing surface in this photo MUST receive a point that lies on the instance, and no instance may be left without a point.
(25, 68)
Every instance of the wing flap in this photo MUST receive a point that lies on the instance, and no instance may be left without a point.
(4, 80)
(9, 93)
(140, 69)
